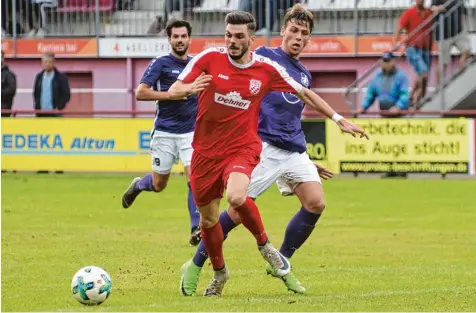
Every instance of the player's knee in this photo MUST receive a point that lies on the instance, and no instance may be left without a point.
(315, 205)
(208, 220)
(235, 199)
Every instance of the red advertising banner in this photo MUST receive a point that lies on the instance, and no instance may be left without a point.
(70, 47)
(325, 46)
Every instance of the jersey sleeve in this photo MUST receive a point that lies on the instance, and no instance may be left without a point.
(199, 64)
(404, 20)
(281, 81)
(152, 72)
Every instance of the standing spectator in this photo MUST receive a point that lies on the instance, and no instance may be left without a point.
(258, 9)
(418, 45)
(455, 32)
(51, 88)
(389, 86)
(9, 87)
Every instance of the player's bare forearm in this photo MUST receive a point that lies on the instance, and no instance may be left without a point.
(312, 99)
(179, 89)
(144, 93)
(396, 36)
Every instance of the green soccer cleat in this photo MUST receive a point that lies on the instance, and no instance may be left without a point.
(189, 279)
(289, 280)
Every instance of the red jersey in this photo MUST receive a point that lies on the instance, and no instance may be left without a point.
(411, 19)
(228, 110)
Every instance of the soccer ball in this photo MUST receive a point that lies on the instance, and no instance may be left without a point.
(91, 285)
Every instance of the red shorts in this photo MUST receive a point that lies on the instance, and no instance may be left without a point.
(209, 176)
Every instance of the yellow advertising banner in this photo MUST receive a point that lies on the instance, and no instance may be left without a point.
(402, 145)
(79, 144)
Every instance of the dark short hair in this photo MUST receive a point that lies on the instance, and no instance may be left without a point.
(49, 55)
(241, 18)
(174, 23)
(300, 15)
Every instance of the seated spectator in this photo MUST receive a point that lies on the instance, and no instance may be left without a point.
(51, 88)
(9, 87)
(389, 86)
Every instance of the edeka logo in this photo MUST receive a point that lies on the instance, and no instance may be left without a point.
(232, 99)
(144, 140)
(54, 142)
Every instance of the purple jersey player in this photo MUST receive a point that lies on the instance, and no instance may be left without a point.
(174, 121)
(284, 159)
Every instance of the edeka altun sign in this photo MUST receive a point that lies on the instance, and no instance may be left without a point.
(402, 145)
(80, 144)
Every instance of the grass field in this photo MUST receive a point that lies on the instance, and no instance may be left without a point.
(382, 245)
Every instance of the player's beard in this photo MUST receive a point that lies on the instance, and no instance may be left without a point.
(180, 52)
(239, 56)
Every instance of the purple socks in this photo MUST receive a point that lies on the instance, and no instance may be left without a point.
(192, 209)
(145, 183)
(298, 230)
(201, 254)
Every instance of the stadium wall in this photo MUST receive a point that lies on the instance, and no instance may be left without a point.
(108, 84)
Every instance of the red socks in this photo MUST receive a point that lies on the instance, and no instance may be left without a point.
(213, 240)
(251, 219)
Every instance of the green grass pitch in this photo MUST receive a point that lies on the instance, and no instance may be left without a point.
(382, 245)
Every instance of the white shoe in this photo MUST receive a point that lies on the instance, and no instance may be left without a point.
(278, 262)
(215, 288)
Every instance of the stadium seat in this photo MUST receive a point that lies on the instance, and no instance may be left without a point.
(84, 6)
(471, 3)
(209, 6)
(232, 6)
(318, 5)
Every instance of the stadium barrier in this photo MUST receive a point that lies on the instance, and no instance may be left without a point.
(412, 145)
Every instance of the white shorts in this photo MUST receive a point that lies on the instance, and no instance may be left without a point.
(287, 169)
(166, 149)
(460, 41)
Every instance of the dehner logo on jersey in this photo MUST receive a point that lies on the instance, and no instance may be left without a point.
(232, 99)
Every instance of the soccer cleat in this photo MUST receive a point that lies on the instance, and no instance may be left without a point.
(130, 194)
(278, 262)
(195, 236)
(289, 280)
(189, 279)
(218, 282)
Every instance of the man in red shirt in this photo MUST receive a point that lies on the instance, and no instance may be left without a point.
(226, 142)
(418, 46)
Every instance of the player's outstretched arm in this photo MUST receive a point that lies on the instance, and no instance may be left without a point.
(144, 93)
(181, 90)
(309, 97)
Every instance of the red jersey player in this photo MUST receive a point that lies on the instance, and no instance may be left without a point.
(226, 143)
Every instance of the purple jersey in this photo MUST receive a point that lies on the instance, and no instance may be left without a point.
(280, 115)
(172, 116)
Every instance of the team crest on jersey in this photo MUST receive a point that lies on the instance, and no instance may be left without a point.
(304, 80)
(255, 86)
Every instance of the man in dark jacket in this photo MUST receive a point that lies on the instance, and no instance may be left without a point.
(9, 87)
(51, 88)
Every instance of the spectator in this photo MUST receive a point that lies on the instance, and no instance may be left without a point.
(455, 33)
(51, 88)
(9, 87)
(418, 45)
(389, 86)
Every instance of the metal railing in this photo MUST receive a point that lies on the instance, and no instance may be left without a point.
(354, 92)
(147, 114)
(97, 18)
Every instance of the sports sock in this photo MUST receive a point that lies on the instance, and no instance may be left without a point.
(227, 225)
(298, 230)
(192, 208)
(145, 183)
(251, 219)
(213, 240)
